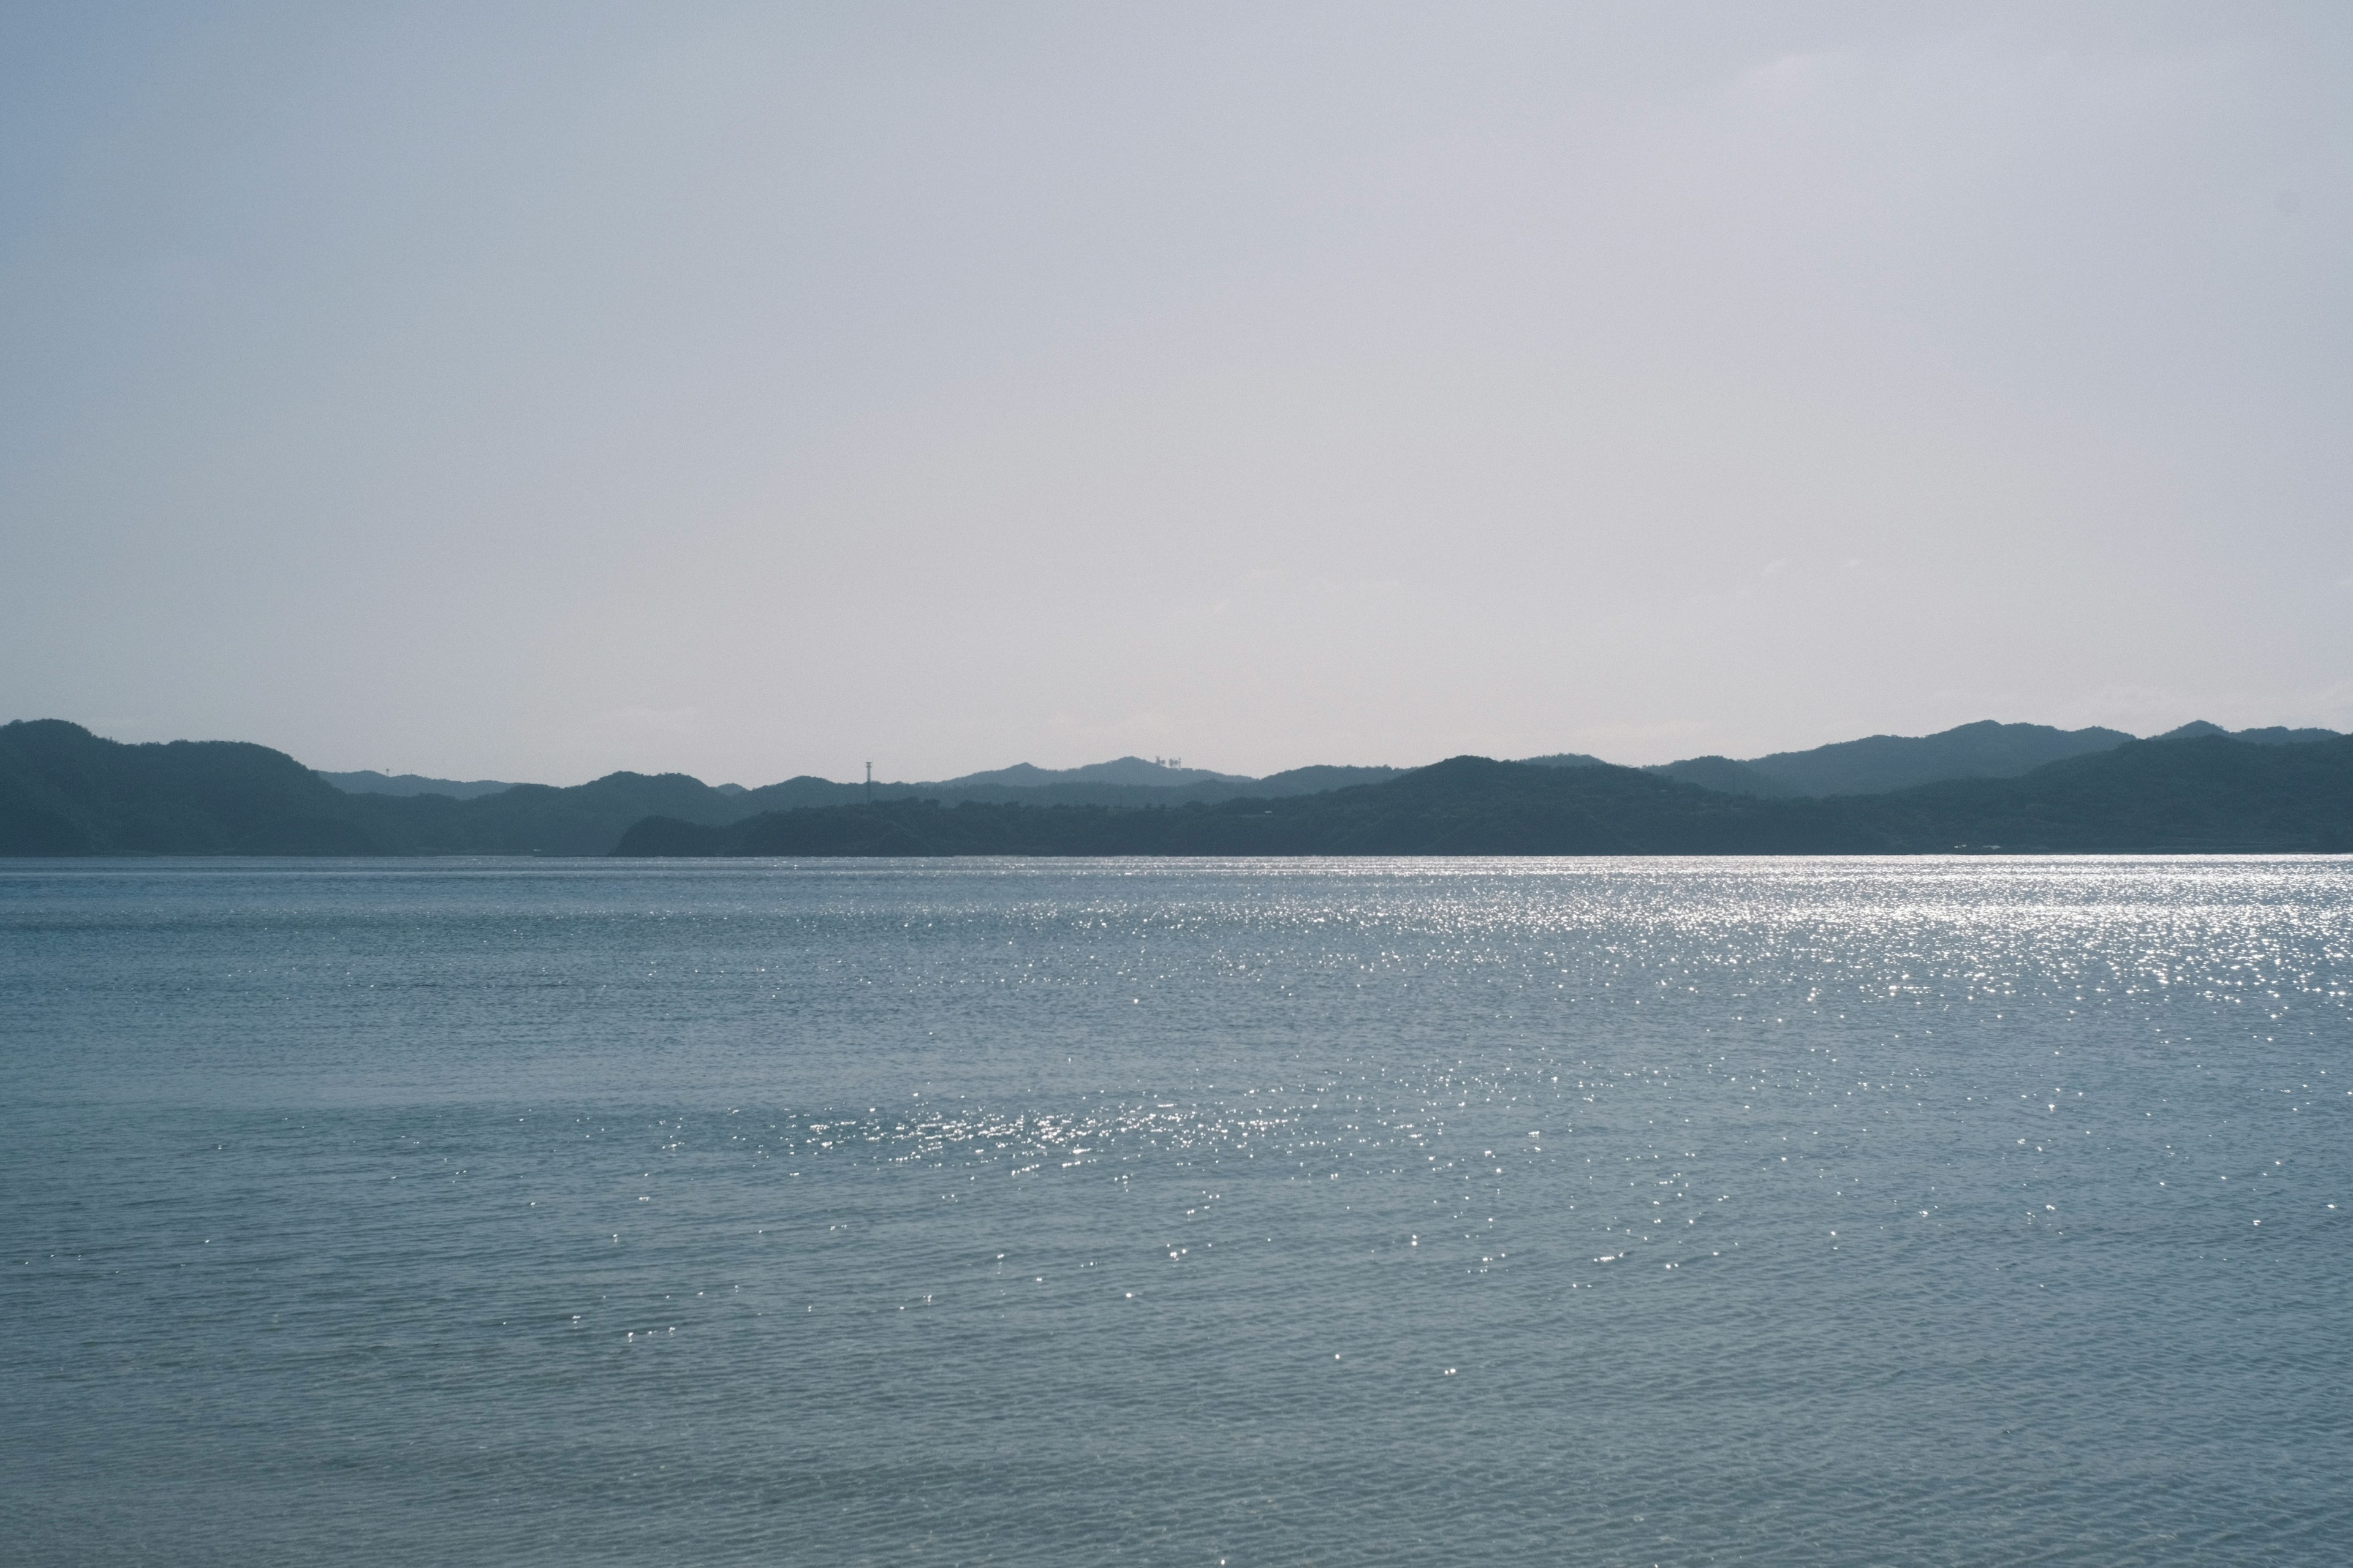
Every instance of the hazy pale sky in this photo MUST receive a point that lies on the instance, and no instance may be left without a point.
(528, 392)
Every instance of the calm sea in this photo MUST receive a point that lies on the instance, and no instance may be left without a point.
(1817, 1212)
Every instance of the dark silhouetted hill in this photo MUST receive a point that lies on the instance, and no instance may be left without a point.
(1132, 770)
(2200, 795)
(1064, 791)
(1725, 777)
(1881, 762)
(2273, 735)
(542, 819)
(1467, 806)
(1878, 764)
(2211, 794)
(64, 791)
(367, 781)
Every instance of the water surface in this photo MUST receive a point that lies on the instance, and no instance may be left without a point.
(1373, 1212)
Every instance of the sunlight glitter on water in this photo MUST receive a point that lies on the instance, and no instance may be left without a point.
(1375, 1211)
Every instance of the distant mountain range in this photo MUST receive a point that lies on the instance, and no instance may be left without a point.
(2197, 793)
(64, 791)
(1155, 773)
(1869, 766)
(367, 781)
(1878, 763)
(1124, 780)
(1881, 762)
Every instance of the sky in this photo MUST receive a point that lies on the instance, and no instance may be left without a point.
(534, 391)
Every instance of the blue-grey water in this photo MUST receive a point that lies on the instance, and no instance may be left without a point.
(1964, 1211)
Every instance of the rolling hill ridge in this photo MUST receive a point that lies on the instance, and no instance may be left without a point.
(64, 791)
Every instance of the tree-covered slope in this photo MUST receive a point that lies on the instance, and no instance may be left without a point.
(1726, 778)
(2204, 793)
(368, 781)
(2150, 795)
(64, 791)
(1467, 806)
(1878, 763)
(541, 819)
